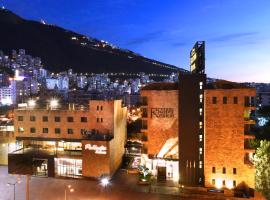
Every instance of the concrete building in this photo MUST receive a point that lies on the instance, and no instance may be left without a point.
(71, 141)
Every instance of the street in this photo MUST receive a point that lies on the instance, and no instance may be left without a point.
(54, 189)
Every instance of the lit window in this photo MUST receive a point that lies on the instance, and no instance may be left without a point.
(20, 129)
(201, 125)
(201, 110)
(200, 138)
(200, 164)
(200, 150)
(201, 85)
(201, 98)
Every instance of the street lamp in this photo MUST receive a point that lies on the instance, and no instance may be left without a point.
(14, 187)
(68, 189)
(105, 181)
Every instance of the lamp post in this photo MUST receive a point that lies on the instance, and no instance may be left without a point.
(68, 189)
(105, 181)
(14, 187)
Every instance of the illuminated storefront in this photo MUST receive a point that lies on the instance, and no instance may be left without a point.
(68, 167)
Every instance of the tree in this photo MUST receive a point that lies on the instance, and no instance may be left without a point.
(262, 165)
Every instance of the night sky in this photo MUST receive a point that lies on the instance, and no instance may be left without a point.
(237, 32)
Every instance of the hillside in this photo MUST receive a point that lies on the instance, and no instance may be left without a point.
(62, 49)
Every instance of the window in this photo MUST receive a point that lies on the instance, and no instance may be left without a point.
(201, 111)
(144, 124)
(224, 100)
(234, 171)
(70, 119)
(224, 170)
(144, 101)
(235, 100)
(57, 130)
(97, 107)
(83, 131)
(57, 119)
(45, 118)
(200, 164)
(201, 125)
(32, 118)
(45, 130)
(97, 120)
(200, 150)
(213, 182)
(20, 129)
(20, 118)
(201, 85)
(214, 100)
(200, 138)
(213, 170)
(83, 119)
(101, 107)
(223, 182)
(101, 120)
(201, 98)
(234, 183)
(32, 130)
(70, 131)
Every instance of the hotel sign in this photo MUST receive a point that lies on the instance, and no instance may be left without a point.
(162, 113)
(98, 149)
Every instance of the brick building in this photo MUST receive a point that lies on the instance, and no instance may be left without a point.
(201, 136)
(228, 125)
(70, 141)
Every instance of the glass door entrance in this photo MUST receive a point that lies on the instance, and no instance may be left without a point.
(40, 167)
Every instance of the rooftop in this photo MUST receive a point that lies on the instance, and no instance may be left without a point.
(223, 84)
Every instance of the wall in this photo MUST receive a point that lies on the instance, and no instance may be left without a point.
(160, 129)
(224, 137)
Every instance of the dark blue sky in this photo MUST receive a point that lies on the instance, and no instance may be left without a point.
(237, 32)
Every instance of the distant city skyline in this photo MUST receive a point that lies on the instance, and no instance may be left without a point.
(236, 32)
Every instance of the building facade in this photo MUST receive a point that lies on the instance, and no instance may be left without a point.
(228, 131)
(199, 133)
(72, 142)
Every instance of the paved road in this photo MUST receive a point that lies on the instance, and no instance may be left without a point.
(53, 189)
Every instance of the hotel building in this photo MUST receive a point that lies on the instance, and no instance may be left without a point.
(199, 133)
(72, 142)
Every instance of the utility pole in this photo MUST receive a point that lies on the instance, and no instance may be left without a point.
(27, 197)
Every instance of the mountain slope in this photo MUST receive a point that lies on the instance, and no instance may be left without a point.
(61, 49)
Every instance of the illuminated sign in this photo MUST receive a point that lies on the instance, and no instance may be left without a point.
(162, 112)
(98, 149)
